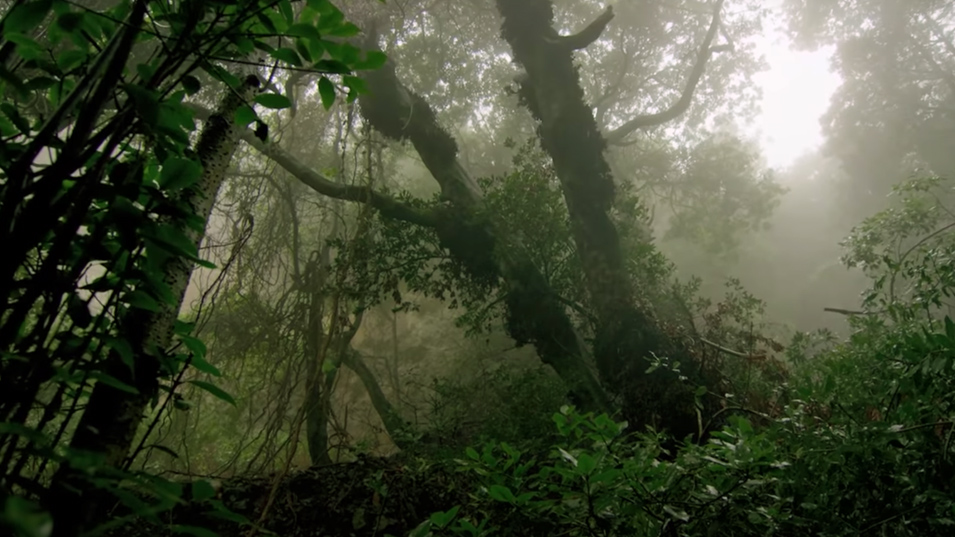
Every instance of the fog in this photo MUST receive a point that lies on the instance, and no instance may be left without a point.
(438, 224)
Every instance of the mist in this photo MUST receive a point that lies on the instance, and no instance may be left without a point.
(545, 267)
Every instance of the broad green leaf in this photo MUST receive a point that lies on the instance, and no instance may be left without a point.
(327, 91)
(202, 490)
(501, 493)
(304, 30)
(286, 8)
(146, 102)
(40, 83)
(112, 381)
(586, 463)
(287, 55)
(26, 16)
(302, 50)
(178, 173)
(245, 115)
(191, 84)
(273, 100)
(18, 120)
(194, 344)
(79, 312)
(173, 240)
(70, 21)
(142, 300)
(195, 531)
(343, 30)
(216, 391)
(70, 59)
(122, 348)
(334, 67)
(27, 48)
(441, 519)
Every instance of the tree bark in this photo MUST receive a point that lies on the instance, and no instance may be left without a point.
(626, 336)
(112, 416)
(535, 313)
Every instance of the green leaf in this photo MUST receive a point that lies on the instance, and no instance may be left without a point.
(676, 513)
(122, 348)
(442, 519)
(245, 115)
(142, 300)
(27, 48)
(191, 84)
(26, 16)
(7, 128)
(40, 83)
(334, 67)
(273, 100)
(70, 59)
(79, 312)
(202, 490)
(286, 8)
(70, 21)
(216, 391)
(374, 59)
(146, 102)
(304, 30)
(178, 173)
(173, 240)
(302, 50)
(24, 517)
(287, 55)
(343, 30)
(19, 121)
(586, 463)
(950, 329)
(112, 381)
(327, 91)
(196, 531)
(501, 493)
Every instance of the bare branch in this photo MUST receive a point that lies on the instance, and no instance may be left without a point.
(616, 136)
(323, 185)
(588, 35)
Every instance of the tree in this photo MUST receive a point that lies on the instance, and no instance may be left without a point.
(105, 203)
(894, 111)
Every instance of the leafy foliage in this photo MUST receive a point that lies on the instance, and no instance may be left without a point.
(97, 205)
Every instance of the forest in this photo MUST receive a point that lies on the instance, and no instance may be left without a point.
(471, 268)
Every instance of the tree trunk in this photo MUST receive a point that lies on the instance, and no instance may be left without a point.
(112, 416)
(626, 336)
(535, 314)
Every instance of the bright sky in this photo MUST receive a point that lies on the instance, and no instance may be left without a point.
(796, 92)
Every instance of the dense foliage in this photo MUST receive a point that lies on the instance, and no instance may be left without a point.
(260, 278)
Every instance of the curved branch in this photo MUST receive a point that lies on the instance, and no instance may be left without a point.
(588, 35)
(617, 136)
(386, 205)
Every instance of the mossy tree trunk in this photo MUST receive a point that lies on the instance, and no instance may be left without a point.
(109, 423)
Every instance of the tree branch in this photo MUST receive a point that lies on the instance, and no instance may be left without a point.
(588, 35)
(319, 183)
(616, 137)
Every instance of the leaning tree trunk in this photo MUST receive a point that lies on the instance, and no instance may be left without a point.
(626, 336)
(535, 313)
(112, 416)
